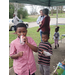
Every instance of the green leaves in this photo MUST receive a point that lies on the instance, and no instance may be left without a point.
(22, 12)
(11, 10)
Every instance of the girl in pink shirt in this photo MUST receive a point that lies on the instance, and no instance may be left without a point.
(24, 63)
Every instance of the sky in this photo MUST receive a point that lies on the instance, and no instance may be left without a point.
(37, 7)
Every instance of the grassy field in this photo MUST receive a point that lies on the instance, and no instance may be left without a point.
(30, 19)
(59, 15)
(36, 36)
(33, 18)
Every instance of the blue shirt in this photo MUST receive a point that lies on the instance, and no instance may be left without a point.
(40, 18)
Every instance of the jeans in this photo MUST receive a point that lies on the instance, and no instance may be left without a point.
(44, 70)
(41, 34)
(15, 28)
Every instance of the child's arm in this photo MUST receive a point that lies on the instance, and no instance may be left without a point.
(43, 24)
(34, 48)
(13, 52)
(15, 56)
(38, 20)
(46, 53)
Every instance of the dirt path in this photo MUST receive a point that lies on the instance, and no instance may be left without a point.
(58, 56)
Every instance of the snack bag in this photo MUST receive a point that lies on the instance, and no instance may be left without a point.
(59, 69)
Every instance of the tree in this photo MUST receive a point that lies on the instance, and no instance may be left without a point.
(22, 12)
(33, 10)
(11, 10)
(17, 6)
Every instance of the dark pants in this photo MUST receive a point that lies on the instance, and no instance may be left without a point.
(15, 28)
(41, 34)
(29, 73)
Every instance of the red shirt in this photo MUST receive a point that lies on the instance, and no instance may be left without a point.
(45, 25)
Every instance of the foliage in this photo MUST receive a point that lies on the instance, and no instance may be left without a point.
(22, 12)
(11, 10)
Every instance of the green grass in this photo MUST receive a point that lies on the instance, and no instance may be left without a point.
(33, 18)
(30, 19)
(36, 36)
(10, 62)
(59, 15)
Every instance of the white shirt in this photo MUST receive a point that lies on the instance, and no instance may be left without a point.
(15, 20)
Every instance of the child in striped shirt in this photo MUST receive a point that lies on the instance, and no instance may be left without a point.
(44, 53)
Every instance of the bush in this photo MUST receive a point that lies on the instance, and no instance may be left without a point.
(22, 12)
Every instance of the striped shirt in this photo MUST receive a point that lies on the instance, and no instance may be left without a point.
(42, 59)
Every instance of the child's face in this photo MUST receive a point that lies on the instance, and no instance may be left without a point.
(45, 38)
(21, 31)
(55, 30)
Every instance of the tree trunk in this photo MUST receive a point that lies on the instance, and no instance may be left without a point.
(61, 8)
(16, 8)
(52, 11)
(21, 16)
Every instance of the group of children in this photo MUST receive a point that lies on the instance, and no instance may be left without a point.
(24, 63)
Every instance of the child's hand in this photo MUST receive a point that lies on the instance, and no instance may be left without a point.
(42, 52)
(63, 63)
(40, 23)
(26, 40)
(20, 54)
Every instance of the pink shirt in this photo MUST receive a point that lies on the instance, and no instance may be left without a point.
(23, 64)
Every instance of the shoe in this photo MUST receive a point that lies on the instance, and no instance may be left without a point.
(58, 45)
(55, 47)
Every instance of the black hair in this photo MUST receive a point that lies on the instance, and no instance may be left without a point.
(57, 28)
(45, 33)
(46, 11)
(21, 25)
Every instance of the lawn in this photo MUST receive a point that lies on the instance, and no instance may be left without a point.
(33, 18)
(30, 19)
(60, 15)
(36, 36)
